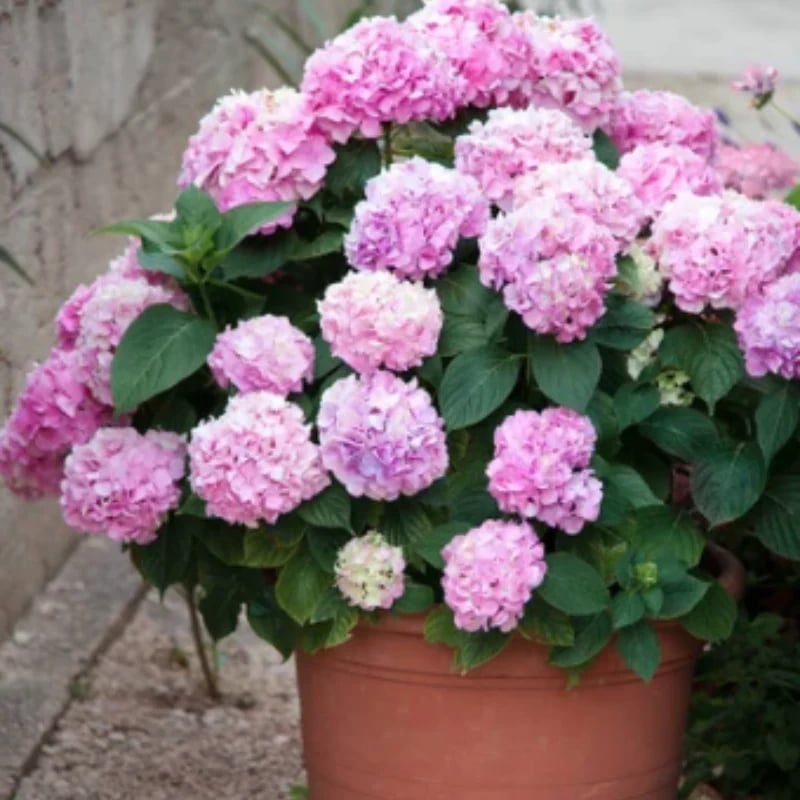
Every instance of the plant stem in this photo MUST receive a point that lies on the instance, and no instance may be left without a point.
(236, 290)
(207, 304)
(387, 145)
(783, 112)
(197, 635)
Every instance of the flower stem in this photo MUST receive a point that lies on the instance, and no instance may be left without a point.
(784, 113)
(197, 635)
(207, 304)
(387, 145)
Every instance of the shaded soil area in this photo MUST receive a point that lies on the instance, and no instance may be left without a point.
(140, 726)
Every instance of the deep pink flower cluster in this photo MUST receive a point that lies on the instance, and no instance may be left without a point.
(758, 81)
(756, 170)
(718, 251)
(369, 572)
(256, 461)
(123, 483)
(490, 574)
(373, 320)
(412, 218)
(660, 172)
(257, 147)
(573, 68)
(645, 116)
(265, 352)
(513, 143)
(482, 41)
(54, 412)
(555, 269)
(379, 71)
(585, 186)
(381, 436)
(541, 468)
(768, 327)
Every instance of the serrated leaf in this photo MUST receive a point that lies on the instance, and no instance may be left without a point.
(660, 531)
(640, 649)
(462, 293)
(568, 374)
(243, 220)
(416, 599)
(220, 608)
(269, 621)
(634, 403)
(259, 256)
(162, 234)
(324, 361)
(475, 649)
(606, 152)
(269, 547)
(440, 627)
(776, 518)
(196, 208)
(160, 348)
(431, 544)
(356, 162)
(546, 624)
(325, 545)
(166, 560)
(627, 608)
(329, 509)
(681, 432)
(589, 641)
(777, 416)
(301, 584)
(573, 586)
(681, 598)
(714, 617)
(326, 243)
(625, 324)
(405, 523)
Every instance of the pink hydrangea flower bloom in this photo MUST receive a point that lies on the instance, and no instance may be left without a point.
(573, 68)
(718, 251)
(660, 172)
(381, 436)
(756, 170)
(256, 461)
(490, 574)
(758, 81)
(369, 572)
(586, 187)
(541, 469)
(644, 116)
(257, 147)
(265, 352)
(555, 269)
(482, 41)
(768, 327)
(513, 143)
(412, 218)
(122, 483)
(54, 412)
(376, 72)
(373, 319)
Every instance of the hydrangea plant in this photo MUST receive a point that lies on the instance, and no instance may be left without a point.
(460, 328)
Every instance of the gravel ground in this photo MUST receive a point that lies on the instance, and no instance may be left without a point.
(141, 728)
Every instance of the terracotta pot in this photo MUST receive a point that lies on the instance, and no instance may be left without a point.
(385, 718)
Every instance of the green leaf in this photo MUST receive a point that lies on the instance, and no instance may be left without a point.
(160, 348)
(416, 599)
(602, 412)
(592, 637)
(327, 242)
(325, 545)
(301, 584)
(166, 560)
(156, 261)
(440, 627)
(776, 518)
(330, 509)
(635, 404)
(627, 608)
(714, 617)
(793, 197)
(461, 334)
(193, 506)
(628, 483)
(269, 547)
(567, 373)
(475, 649)
(475, 384)
(324, 361)
(605, 150)
(7, 258)
(653, 600)
(259, 256)
(681, 598)
(161, 234)
(244, 220)
(662, 531)
(625, 324)
(573, 586)
(777, 416)
(332, 604)
(681, 432)
(196, 208)
(727, 480)
(640, 650)
(461, 293)
(356, 162)
(405, 523)
(543, 623)
(220, 608)
(430, 546)
(269, 621)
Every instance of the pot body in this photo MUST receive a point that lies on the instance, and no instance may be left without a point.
(385, 718)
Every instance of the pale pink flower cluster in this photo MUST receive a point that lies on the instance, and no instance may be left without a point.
(369, 572)
(660, 172)
(412, 218)
(555, 269)
(756, 170)
(541, 468)
(768, 327)
(122, 483)
(379, 71)
(256, 461)
(585, 186)
(381, 436)
(758, 81)
(720, 250)
(54, 412)
(265, 352)
(512, 143)
(263, 146)
(482, 40)
(646, 116)
(573, 67)
(490, 574)
(373, 320)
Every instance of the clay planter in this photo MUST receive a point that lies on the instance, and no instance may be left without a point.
(385, 718)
